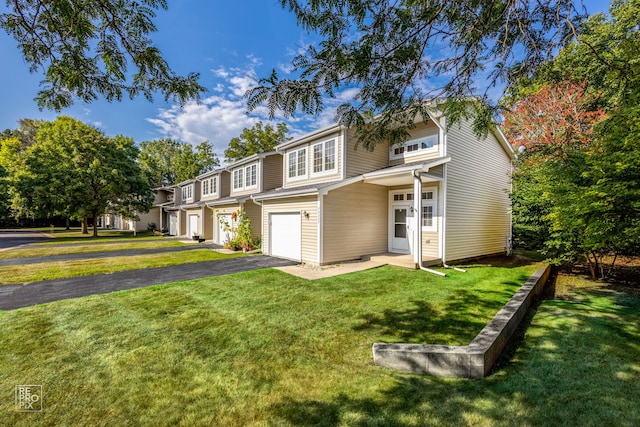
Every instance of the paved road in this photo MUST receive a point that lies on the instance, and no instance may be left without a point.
(11, 239)
(18, 296)
(102, 254)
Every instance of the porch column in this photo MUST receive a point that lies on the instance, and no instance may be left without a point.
(417, 215)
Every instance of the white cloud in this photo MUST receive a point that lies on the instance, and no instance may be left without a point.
(217, 118)
(222, 116)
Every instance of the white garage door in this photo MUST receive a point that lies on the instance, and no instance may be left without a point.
(286, 235)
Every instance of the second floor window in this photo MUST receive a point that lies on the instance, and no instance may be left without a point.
(246, 177)
(298, 163)
(210, 186)
(251, 176)
(238, 180)
(187, 192)
(324, 156)
(417, 146)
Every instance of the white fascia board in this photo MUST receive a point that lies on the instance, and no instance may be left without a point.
(284, 195)
(502, 139)
(328, 130)
(209, 174)
(251, 158)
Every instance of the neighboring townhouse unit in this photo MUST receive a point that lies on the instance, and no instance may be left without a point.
(165, 203)
(246, 177)
(163, 196)
(443, 195)
(186, 213)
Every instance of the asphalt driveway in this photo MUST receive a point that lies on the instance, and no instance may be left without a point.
(18, 296)
(15, 238)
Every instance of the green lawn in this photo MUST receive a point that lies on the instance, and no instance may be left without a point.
(265, 348)
(38, 250)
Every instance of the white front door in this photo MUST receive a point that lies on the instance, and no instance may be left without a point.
(400, 228)
(193, 225)
(225, 234)
(173, 222)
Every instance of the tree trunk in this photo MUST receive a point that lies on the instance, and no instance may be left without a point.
(67, 224)
(95, 225)
(593, 268)
(85, 226)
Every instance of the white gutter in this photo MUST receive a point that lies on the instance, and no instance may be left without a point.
(320, 229)
(417, 201)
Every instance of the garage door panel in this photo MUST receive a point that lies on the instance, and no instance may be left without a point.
(286, 235)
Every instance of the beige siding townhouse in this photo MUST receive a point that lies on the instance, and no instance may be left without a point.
(144, 219)
(246, 177)
(190, 211)
(440, 196)
(167, 212)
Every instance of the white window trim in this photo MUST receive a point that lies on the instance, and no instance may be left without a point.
(431, 202)
(243, 181)
(247, 169)
(212, 184)
(419, 151)
(237, 172)
(186, 192)
(305, 175)
(335, 158)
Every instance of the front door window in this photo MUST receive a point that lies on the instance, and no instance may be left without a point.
(400, 229)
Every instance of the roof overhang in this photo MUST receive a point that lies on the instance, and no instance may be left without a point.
(286, 194)
(225, 201)
(404, 174)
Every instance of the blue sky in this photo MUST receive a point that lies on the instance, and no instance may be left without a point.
(230, 44)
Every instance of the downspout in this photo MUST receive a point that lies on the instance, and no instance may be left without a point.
(262, 227)
(417, 200)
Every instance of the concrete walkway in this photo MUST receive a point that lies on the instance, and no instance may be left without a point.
(18, 296)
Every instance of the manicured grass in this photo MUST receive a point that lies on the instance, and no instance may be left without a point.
(87, 247)
(29, 273)
(74, 236)
(265, 348)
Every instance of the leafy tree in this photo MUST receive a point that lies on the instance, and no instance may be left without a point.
(167, 161)
(550, 128)
(26, 133)
(577, 184)
(85, 48)
(400, 55)
(257, 139)
(190, 163)
(156, 160)
(13, 143)
(76, 171)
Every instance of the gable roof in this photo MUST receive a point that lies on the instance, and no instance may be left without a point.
(327, 130)
(251, 158)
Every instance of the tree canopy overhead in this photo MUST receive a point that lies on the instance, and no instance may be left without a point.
(400, 54)
(85, 48)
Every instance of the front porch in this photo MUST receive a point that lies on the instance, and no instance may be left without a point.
(401, 260)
